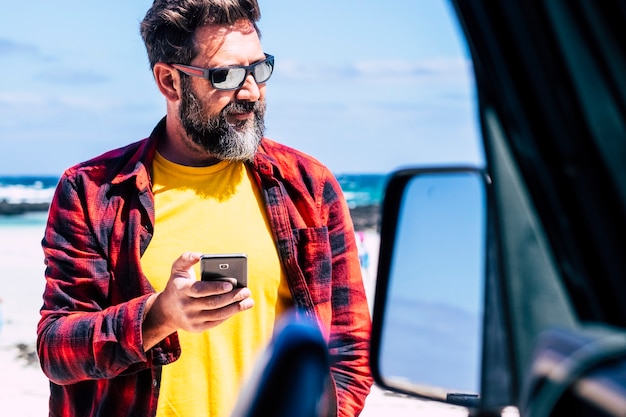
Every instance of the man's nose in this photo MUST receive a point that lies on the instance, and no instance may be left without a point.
(249, 91)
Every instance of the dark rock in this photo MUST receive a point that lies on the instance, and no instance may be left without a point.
(13, 209)
(28, 353)
(366, 217)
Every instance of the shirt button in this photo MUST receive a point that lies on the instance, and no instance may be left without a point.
(155, 382)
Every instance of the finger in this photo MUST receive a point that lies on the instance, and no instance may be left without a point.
(201, 289)
(209, 319)
(228, 310)
(182, 267)
(214, 301)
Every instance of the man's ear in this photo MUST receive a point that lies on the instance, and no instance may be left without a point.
(168, 81)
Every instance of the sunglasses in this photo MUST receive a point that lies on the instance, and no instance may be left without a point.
(232, 78)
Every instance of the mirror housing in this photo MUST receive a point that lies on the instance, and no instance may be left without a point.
(428, 319)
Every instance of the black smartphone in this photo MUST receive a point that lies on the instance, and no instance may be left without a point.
(230, 267)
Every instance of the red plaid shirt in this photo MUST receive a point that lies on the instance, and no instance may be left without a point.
(100, 223)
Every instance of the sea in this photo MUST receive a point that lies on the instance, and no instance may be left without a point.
(359, 189)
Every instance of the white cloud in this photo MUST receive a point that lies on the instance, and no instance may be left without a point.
(9, 47)
(19, 99)
(73, 77)
(370, 70)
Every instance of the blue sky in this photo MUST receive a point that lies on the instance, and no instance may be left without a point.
(364, 86)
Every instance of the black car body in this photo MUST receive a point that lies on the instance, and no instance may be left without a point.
(551, 83)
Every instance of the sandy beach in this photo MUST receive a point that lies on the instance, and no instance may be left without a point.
(24, 388)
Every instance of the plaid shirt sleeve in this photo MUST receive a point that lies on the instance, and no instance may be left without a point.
(80, 336)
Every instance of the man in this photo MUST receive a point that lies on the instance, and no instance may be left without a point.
(126, 329)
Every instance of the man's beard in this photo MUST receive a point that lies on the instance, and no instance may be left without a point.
(215, 134)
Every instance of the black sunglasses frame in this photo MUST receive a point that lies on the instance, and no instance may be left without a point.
(207, 73)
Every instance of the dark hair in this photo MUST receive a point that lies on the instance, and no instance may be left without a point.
(169, 26)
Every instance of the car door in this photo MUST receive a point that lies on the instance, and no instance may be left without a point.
(552, 98)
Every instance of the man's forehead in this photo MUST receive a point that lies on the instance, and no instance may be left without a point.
(238, 37)
(212, 31)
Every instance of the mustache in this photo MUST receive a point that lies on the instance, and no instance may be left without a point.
(242, 107)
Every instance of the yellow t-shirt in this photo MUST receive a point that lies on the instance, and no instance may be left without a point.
(216, 209)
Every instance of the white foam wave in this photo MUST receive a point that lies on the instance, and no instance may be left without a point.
(31, 194)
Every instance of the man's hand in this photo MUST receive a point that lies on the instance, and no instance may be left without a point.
(187, 304)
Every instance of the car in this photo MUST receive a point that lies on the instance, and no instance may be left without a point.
(504, 285)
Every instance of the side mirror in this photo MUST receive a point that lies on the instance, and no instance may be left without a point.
(428, 311)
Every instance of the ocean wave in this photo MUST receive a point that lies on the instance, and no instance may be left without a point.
(26, 194)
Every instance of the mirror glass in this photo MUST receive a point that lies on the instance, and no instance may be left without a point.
(433, 322)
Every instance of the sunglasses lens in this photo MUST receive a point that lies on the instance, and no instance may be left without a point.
(228, 78)
(263, 71)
